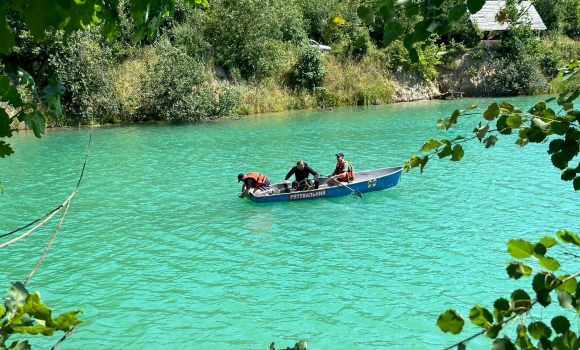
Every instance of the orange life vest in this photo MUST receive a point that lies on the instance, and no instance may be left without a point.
(259, 179)
(349, 174)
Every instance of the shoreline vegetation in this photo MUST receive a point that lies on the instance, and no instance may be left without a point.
(203, 66)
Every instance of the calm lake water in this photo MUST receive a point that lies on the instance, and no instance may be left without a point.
(160, 253)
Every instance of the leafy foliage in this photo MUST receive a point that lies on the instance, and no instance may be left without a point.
(23, 312)
(434, 18)
(534, 126)
(508, 77)
(520, 304)
(255, 45)
(309, 71)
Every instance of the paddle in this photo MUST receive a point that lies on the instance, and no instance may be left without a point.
(356, 193)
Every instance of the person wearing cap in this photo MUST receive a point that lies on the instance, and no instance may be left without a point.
(301, 172)
(254, 183)
(344, 172)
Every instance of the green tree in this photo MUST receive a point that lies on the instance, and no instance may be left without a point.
(254, 37)
(309, 71)
(40, 17)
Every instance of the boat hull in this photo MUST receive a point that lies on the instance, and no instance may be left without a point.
(365, 181)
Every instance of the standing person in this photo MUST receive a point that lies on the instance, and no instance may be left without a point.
(344, 172)
(254, 183)
(301, 172)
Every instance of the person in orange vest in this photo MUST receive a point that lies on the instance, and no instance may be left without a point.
(344, 172)
(254, 183)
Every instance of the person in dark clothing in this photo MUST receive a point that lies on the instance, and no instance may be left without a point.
(301, 172)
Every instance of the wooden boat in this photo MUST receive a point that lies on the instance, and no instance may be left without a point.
(365, 181)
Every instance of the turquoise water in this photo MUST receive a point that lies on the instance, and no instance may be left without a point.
(159, 251)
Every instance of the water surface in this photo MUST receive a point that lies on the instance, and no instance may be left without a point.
(159, 251)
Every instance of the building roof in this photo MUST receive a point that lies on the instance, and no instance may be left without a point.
(485, 18)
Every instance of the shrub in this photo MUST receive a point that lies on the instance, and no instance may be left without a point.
(175, 89)
(514, 77)
(84, 67)
(309, 71)
(256, 45)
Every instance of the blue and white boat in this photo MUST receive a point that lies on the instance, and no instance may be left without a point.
(365, 181)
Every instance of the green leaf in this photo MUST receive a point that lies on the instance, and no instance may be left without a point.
(572, 135)
(548, 241)
(389, 37)
(7, 38)
(8, 92)
(452, 120)
(5, 121)
(25, 79)
(568, 175)
(423, 163)
(565, 299)
(421, 32)
(430, 145)
(560, 160)
(35, 121)
(55, 87)
(543, 297)
(457, 154)
(506, 107)
(568, 237)
(559, 126)
(64, 321)
(576, 184)
(543, 280)
(412, 11)
(516, 270)
(408, 42)
(480, 133)
(393, 30)
(5, 149)
(445, 152)
(457, 11)
(475, 5)
(522, 340)
(413, 55)
(337, 21)
(539, 329)
(514, 121)
(545, 344)
(493, 331)
(539, 250)
(36, 329)
(570, 148)
(492, 112)
(362, 12)
(502, 344)
(538, 108)
(535, 134)
(520, 248)
(520, 299)
(386, 10)
(490, 141)
(548, 114)
(555, 146)
(502, 126)
(560, 324)
(569, 286)
(565, 341)
(501, 309)
(451, 321)
(18, 292)
(479, 316)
